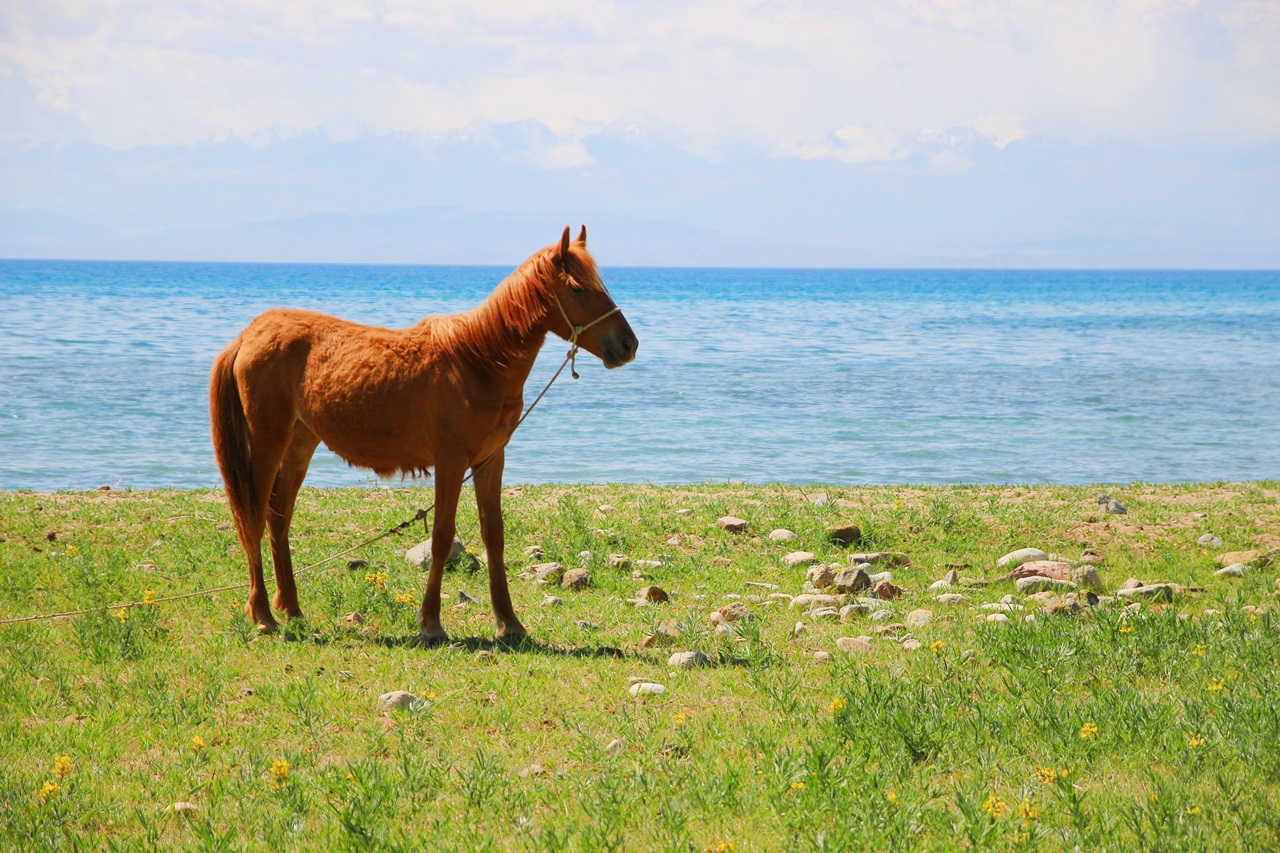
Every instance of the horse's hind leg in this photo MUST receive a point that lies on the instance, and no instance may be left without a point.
(268, 438)
(293, 470)
(488, 480)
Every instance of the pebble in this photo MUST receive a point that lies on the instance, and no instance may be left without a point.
(854, 644)
(1160, 591)
(887, 577)
(821, 657)
(798, 558)
(1235, 570)
(619, 561)
(648, 564)
(910, 644)
(721, 625)
(614, 745)
(1034, 584)
(585, 557)
(1111, 505)
(918, 618)
(886, 591)
(552, 601)
(824, 613)
(998, 619)
(688, 660)
(814, 600)
(352, 619)
(851, 580)
(647, 688)
(881, 616)
(762, 584)
(397, 700)
(782, 535)
(485, 656)
(849, 611)
(843, 535)
(652, 594)
(420, 556)
(939, 584)
(1093, 558)
(875, 558)
(246, 691)
(1132, 583)
(533, 552)
(1023, 555)
(1257, 559)
(584, 625)
(1003, 606)
(1253, 609)
(534, 769)
(820, 577)
(732, 524)
(544, 572)
(576, 579)
(800, 629)
(780, 596)
(951, 598)
(734, 611)
(1209, 540)
(754, 599)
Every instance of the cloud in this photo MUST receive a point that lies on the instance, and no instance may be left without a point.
(705, 73)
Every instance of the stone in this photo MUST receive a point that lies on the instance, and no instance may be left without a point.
(798, 558)
(245, 692)
(614, 745)
(1158, 591)
(800, 629)
(731, 596)
(1035, 584)
(534, 769)
(849, 611)
(998, 619)
(881, 576)
(459, 558)
(397, 700)
(824, 613)
(951, 598)
(1023, 555)
(619, 561)
(647, 688)
(1132, 583)
(762, 584)
(185, 807)
(584, 625)
(652, 594)
(576, 579)
(1257, 559)
(648, 564)
(851, 580)
(910, 644)
(843, 535)
(533, 552)
(688, 660)
(684, 513)
(918, 618)
(812, 601)
(1087, 578)
(1043, 569)
(876, 558)
(1210, 541)
(485, 656)
(552, 601)
(1109, 504)
(734, 612)
(780, 596)
(782, 535)
(820, 576)
(821, 657)
(733, 524)
(1093, 558)
(881, 616)
(351, 620)
(853, 645)
(1235, 570)
(721, 561)
(1002, 606)
(939, 584)
(585, 557)
(886, 591)
(545, 572)
(891, 628)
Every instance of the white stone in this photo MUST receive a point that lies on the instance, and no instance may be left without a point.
(821, 657)
(584, 557)
(798, 558)
(782, 535)
(910, 644)
(882, 576)
(552, 601)
(824, 613)
(918, 618)
(684, 513)
(614, 745)
(800, 629)
(951, 598)
(687, 660)
(939, 584)
(1016, 558)
(815, 600)
(854, 644)
(397, 700)
(881, 616)
(1034, 584)
(1210, 540)
(849, 611)
(998, 619)
(1235, 570)
(647, 688)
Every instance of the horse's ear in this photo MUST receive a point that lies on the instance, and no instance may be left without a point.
(582, 236)
(564, 244)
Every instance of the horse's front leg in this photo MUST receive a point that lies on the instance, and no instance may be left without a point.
(488, 479)
(449, 473)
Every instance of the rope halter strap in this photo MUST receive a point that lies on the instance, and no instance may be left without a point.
(576, 330)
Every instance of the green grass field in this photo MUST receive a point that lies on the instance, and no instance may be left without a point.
(1099, 729)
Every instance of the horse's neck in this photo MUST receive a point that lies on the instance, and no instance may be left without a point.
(510, 326)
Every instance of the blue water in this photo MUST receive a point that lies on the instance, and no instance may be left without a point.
(800, 376)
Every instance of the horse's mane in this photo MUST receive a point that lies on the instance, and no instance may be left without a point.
(497, 330)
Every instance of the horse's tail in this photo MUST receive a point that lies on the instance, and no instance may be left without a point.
(231, 438)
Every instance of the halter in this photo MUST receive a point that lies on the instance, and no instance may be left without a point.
(576, 330)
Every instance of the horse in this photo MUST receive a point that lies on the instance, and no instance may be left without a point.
(443, 395)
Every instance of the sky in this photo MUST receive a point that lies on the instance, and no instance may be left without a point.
(881, 133)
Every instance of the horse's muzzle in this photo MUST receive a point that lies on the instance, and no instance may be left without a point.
(618, 353)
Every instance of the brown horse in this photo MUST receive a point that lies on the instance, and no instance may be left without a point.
(443, 394)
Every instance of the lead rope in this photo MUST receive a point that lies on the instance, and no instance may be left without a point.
(421, 515)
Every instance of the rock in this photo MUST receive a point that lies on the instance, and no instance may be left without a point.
(185, 807)
(1060, 569)
(246, 691)
(688, 660)
(652, 594)
(1209, 540)
(998, 619)
(585, 557)
(420, 555)
(800, 629)
(782, 535)
(552, 601)
(351, 620)
(881, 576)
(1002, 606)
(843, 535)
(1235, 570)
(734, 612)
(485, 656)
(939, 584)
(851, 581)
(824, 613)
(886, 591)
(821, 657)
(1093, 558)
(732, 524)
(876, 558)
(647, 688)
(910, 644)
(397, 700)
(684, 513)
(544, 572)
(1016, 558)
(1035, 583)
(533, 552)
(780, 596)
(918, 618)
(1158, 591)
(533, 770)
(849, 611)
(881, 615)
(619, 561)
(819, 576)
(721, 561)
(798, 558)
(1109, 504)
(464, 598)
(951, 598)
(853, 645)
(614, 745)
(584, 625)
(731, 596)
(1087, 577)
(576, 579)
(648, 564)
(812, 601)
(1132, 583)
(1256, 559)
(762, 584)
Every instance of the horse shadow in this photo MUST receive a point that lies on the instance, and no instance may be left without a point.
(524, 645)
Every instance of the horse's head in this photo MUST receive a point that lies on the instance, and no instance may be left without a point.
(585, 308)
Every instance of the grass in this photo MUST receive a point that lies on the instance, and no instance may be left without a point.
(1101, 730)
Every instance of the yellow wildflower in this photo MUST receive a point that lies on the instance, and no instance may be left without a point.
(838, 704)
(680, 718)
(1047, 775)
(406, 598)
(897, 503)
(62, 766)
(122, 614)
(49, 791)
(378, 579)
(797, 785)
(892, 796)
(1254, 617)
(1215, 686)
(1195, 742)
(72, 550)
(279, 773)
(1199, 650)
(1126, 629)
(431, 697)
(1193, 810)
(149, 598)
(994, 806)
(1028, 812)
(937, 646)
(721, 845)
(197, 743)
(1089, 731)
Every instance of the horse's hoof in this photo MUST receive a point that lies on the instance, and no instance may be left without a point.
(265, 628)
(512, 633)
